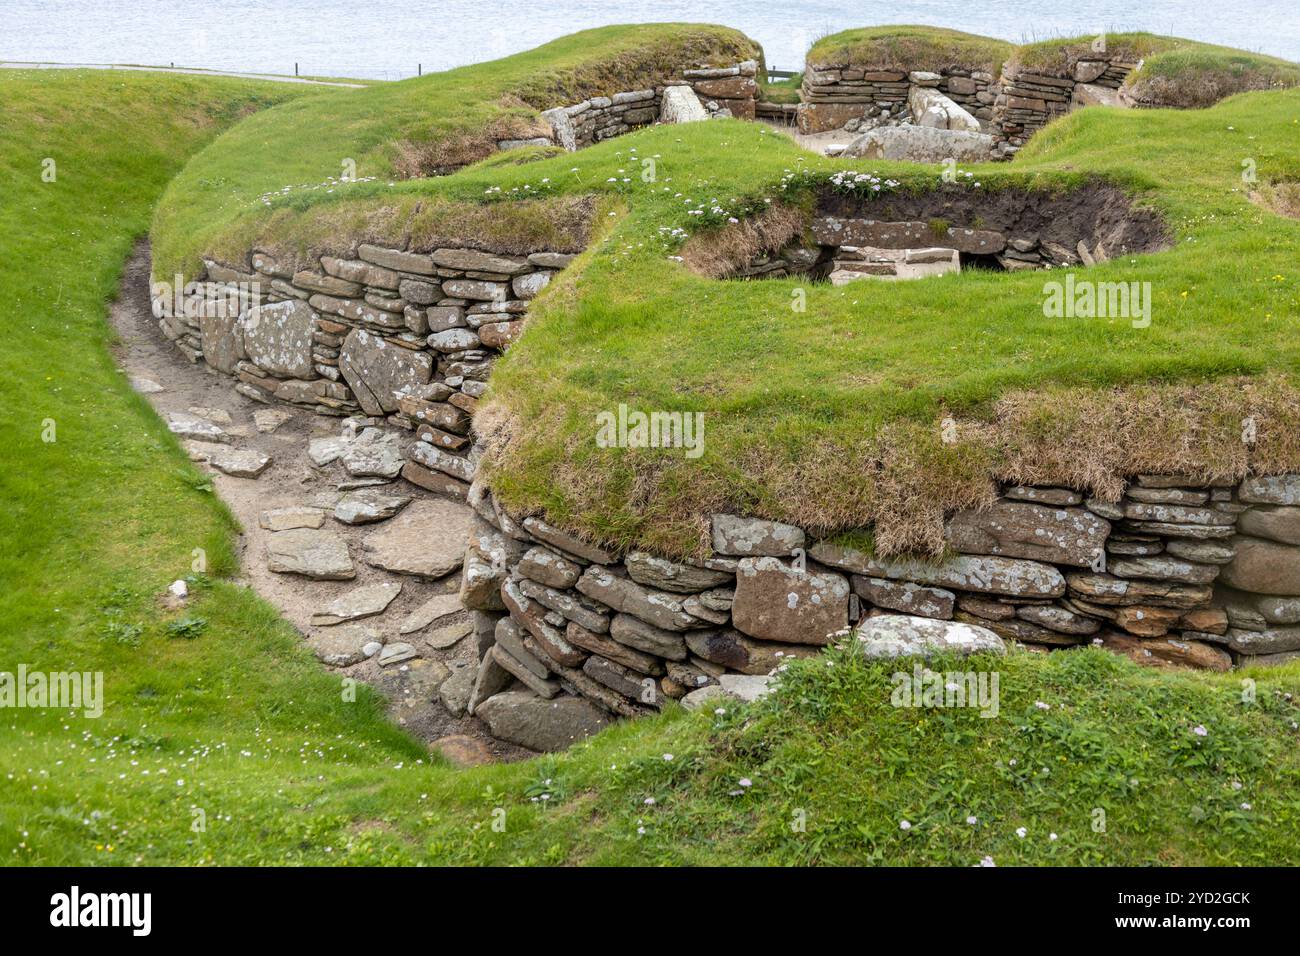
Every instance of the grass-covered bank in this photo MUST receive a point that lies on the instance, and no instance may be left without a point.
(231, 717)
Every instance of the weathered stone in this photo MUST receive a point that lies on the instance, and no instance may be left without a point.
(742, 654)
(1276, 524)
(668, 575)
(480, 583)
(1263, 567)
(1271, 490)
(454, 692)
(1019, 529)
(905, 596)
(366, 508)
(380, 373)
(365, 601)
(636, 633)
(277, 338)
(1060, 497)
(223, 340)
(565, 603)
(374, 453)
(240, 463)
(1167, 651)
(987, 575)
(1176, 514)
(546, 567)
(269, 419)
(1205, 552)
(500, 335)
(1025, 632)
(490, 680)
(607, 647)
(418, 263)
(1147, 621)
(523, 718)
(1162, 568)
(286, 519)
(454, 340)
(321, 555)
(1275, 640)
(1259, 611)
(398, 653)
(509, 636)
(435, 609)
(921, 144)
(931, 108)
(655, 607)
(745, 688)
(778, 603)
(458, 466)
(427, 539)
(532, 616)
(623, 681)
(471, 260)
(901, 635)
(1107, 590)
(323, 451)
(985, 608)
(345, 646)
(754, 537)
(479, 290)
(566, 542)
(185, 425)
(681, 105)
(1057, 619)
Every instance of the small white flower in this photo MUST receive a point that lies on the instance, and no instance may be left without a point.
(1245, 806)
(987, 861)
(1052, 837)
(649, 801)
(668, 756)
(1200, 730)
(1021, 832)
(904, 825)
(745, 782)
(972, 820)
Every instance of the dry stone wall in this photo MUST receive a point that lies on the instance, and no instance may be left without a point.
(1175, 573)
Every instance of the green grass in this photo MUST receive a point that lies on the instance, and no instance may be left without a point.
(910, 48)
(234, 717)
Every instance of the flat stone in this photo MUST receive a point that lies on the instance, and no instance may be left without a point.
(1271, 490)
(462, 750)
(655, 572)
(745, 688)
(1163, 568)
(374, 454)
(921, 144)
(546, 567)
(397, 653)
(779, 603)
(286, 519)
(427, 539)
(545, 629)
(491, 679)
(324, 451)
(1021, 529)
(523, 718)
(1263, 567)
(369, 507)
(905, 597)
(321, 555)
(1206, 552)
(659, 608)
(569, 544)
(636, 633)
(269, 419)
(345, 646)
(1057, 619)
(449, 636)
(755, 537)
(607, 647)
(1061, 497)
(1108, 590)
(365, 601)
(566, 603)
(278, 338)
(1274, 640)
(1280, 524)
(900, 635)
(222, 338)
(380, 374)
(528, 286)
(145, 386)
(737, 652)
(240, 463)
(986, 575)
(472, 260)
(435, 609)
(1167, 652)
(185, 425)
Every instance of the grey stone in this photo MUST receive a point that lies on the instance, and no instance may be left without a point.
(776, 602)
(321, 555)
(374, 453)
(523, 718)
(755, 537)
(659, 608)
(1263, 567)
(680, 105)
(736, 652)
(472, 260)
(1020, 529)
(1271, 490)
(546, 567)
(921, 144)
(986, 575)
(905, 597)
(441, 638)
(269, 419)
(899, 635)
(490, 680)
(427, 539)
(1206, 552)
(1275, 640)
(528, 286)
(345, 646)
(368, 507)
(324, 451)
(568, 543)
(668, 575)
(286, 519)
(185, 425)
(240, 463)
(636, 633)
(381, 374)
(1162, 568)
(1280, 524)
(365, 601)
(435, 609)
(223, 340)
(397, 654)
(455, 691)
(740, 687)
(278, 338)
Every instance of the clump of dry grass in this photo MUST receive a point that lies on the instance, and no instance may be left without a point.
(451, 150)
(1282, 198)
(722, 252)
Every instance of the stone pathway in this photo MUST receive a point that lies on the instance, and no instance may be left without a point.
(364, 565)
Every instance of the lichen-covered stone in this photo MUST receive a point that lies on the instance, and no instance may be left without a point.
(777, 602)
(381, 374)
(278, 338)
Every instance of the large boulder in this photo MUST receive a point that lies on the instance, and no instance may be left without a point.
(931, 108)
(777, 602)
(1275, 523)
(277, 338)
(681, 105)
(1263, 567)
(381, 374)
(921, 144)
(521, 717)
(901, 635)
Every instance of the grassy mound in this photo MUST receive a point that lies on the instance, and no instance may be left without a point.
(414, 128)
(910, 48)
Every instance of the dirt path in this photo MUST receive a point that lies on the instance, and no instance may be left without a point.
(292, 479)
